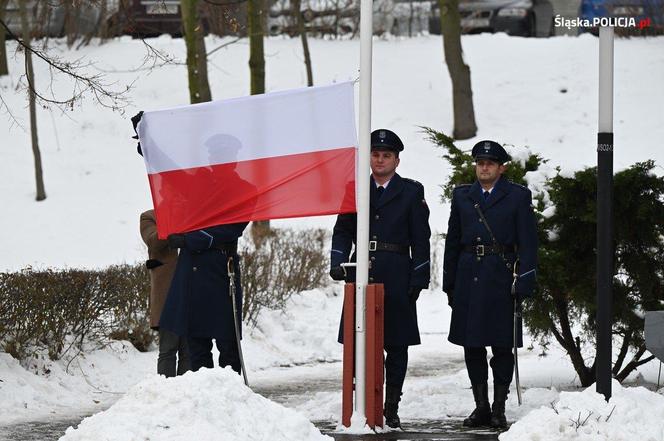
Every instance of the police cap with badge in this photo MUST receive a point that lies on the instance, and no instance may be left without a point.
(383, 139)
(490, 150)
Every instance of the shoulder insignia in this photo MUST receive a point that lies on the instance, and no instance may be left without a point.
(413, 181)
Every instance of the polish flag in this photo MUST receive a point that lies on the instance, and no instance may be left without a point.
(278, 155)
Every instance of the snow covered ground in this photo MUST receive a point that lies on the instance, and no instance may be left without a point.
(540, 93)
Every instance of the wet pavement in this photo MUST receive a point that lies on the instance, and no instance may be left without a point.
(422, 430)
(292, 390)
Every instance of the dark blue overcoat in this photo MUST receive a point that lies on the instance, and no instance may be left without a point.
(199, 303)
(400, 216)
(482, 308)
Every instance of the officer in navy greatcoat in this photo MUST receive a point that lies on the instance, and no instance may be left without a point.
(199, 304)
(479, 272)
(399, 256)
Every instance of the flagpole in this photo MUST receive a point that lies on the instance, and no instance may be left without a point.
(362, 273)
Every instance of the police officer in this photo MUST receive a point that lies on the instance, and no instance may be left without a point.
(491, 243)
(199, 305)
(399, 257)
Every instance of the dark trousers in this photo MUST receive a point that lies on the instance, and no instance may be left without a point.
(200, 351)
(172, 351)
(502, 364)
(396, 363)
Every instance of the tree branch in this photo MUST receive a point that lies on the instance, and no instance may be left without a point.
(115, 100)
(623, 352)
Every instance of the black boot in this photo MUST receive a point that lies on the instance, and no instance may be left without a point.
(481, 416)
(392, 398)
(500, 392)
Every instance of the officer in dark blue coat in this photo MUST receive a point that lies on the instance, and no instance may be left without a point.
(491, 243)
(199, 303)
(399, 256)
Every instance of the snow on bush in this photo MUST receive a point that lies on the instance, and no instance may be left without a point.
(632, 413)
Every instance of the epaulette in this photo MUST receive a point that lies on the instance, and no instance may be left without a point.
(522, 187)
(413, 181)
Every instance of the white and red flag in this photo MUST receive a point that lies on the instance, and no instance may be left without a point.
(277, 155)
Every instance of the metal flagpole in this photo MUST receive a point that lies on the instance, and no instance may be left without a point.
(604, 213)
(362, 273)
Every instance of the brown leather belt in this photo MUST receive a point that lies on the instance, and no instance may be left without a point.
(392, 247)
(484, 250)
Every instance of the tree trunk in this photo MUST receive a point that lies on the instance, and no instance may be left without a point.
(4, 70)
(71, 26)
(297, 13)
(257, 74)
(462, 93)
(410, 19)
(569, 343)
(39, 174)
(199, 87)
(256, 51)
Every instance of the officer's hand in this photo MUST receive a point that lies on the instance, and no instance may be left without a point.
(449, 299)
(176, 241)
(338, 273)
(414, 293)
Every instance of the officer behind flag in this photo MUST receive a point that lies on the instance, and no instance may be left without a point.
(491, 229)
(399, 257)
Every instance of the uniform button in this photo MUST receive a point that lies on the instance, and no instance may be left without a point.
(479, 239)
(376, 217)
(194, 269)
(370, 279)
(479, 220)
(479, 258)
(374, 237)
(373, 257)
(474, 279)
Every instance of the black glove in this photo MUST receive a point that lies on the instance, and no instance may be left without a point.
(176, 241)
(414, 293)
(449, 299)
(338, 273)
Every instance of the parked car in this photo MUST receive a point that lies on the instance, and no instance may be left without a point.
(146, 18)
(342, 17)
(647, 14)
(45, 21)
(527, 18)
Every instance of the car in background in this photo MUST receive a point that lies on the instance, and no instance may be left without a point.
(47, 19)
(146, 18)
(342, 17)
(526, 18)
(647, 14)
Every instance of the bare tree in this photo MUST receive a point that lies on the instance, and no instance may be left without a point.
(255, 9)
(194, 36)
(4, 70)
(462, 93)
(297, 14)
(32, 98)
(85, 79)
(256, 50)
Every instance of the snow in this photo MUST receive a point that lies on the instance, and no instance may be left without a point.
(304, 333)
(96, 183)
(97, 187)
(631, 413)
(212, 404)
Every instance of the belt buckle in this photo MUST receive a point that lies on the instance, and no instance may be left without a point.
(479, 250)
(372, 245)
